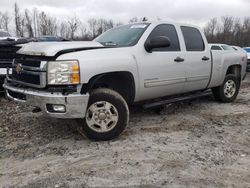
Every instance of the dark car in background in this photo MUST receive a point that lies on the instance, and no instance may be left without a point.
(10, 45)
(8, 49)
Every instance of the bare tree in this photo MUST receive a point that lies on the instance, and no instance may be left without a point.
(103, 25)
(229, 30)
(246, 30)
(35, 22)
(64, 30)
(210, 29)
(47, 24)
(18, 21)
(85, 35)
(73, 26)
(29, 23)
(92, 27)
(227, 26)
(134, 20)
(4, 21)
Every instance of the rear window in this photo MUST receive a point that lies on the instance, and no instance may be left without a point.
(193, 39)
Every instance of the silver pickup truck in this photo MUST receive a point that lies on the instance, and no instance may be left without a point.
(142, 63)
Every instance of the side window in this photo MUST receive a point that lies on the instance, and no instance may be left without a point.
(193, 39)
(169, 31)
(216, 48)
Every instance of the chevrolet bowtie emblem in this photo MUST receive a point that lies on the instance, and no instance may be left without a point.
(19, 68)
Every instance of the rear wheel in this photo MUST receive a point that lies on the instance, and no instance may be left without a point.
(107, 115)
(229, 90)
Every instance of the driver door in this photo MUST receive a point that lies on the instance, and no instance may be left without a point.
(162, 70)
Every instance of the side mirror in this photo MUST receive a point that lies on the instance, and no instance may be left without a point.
(157, 42)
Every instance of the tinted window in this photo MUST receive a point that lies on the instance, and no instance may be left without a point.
(216, 48)
(166, 31)
(193, 39)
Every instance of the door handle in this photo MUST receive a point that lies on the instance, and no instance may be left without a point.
(205, 58)
(179, 59)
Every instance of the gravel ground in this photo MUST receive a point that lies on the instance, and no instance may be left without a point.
(192, 144)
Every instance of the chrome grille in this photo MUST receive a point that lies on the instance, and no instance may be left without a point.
(29, 72)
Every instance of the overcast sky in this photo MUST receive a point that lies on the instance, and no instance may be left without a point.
(191, 11)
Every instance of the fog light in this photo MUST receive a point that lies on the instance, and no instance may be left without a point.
(58, 108)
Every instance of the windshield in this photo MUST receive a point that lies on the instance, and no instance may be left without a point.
(247, 50)
(4, 34)
(127, 35)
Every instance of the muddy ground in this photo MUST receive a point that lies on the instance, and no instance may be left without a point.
(191, 144)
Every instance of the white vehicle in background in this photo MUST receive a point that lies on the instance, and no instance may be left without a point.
(247, 49)
(237, 48)
(224, 47)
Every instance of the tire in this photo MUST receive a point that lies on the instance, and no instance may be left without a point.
(107, 115)
(230, 93)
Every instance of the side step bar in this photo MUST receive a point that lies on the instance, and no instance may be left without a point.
(177, 99)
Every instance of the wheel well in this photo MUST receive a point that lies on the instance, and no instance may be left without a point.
(121, 82)
(234, 69)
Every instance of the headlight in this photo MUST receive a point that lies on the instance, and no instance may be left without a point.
(63, 72)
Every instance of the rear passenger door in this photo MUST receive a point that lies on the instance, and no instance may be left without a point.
(197, 59)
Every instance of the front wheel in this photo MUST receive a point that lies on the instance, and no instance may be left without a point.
(107, 115)
(229, 90)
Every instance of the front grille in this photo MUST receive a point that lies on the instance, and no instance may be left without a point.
(26, 77)
(29, 71)
(28, 62)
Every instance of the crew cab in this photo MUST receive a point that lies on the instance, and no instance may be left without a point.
(142, 63)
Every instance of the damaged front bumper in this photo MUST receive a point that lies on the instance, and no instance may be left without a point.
(74, 105)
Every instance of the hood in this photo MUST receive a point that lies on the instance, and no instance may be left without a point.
(55, 48)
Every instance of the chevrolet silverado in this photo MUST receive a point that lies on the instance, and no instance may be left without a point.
(149, 64)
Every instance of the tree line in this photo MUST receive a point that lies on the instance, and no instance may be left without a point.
(228, 30)
(34, 23)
